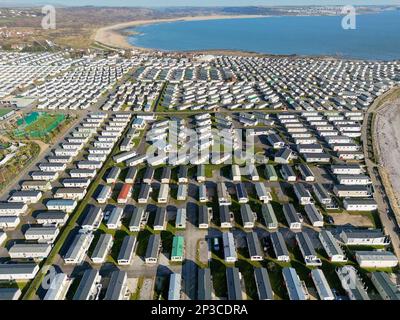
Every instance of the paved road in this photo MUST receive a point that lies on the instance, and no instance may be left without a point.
(385, 212)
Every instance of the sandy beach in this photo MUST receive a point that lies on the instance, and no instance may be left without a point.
(112, 36)
(387, 131)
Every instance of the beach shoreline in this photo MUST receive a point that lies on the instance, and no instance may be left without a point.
(113, 37)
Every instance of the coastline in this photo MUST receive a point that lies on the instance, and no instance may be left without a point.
(112, 36)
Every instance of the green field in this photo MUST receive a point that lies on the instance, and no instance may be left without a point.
(4, 111)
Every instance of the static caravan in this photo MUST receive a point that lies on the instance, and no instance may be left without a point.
(205, 215)
(127, 251)
(174, 290)
(131, 175)
(114, 220)
(203, 193)
(138, 219)
(178, 245)
(314, 215)
(331, 246)
(236, 173)
(262, 193)
(264, 288)
(60, 204)
(288, 173)
(89, 287)
(163, 194)
(166, 175)
(46, 218)
(153, 249)
(36, 251)
(182, 192)
(322, 285)
(253, 244)
(104, 194)
(293, 284)
(13, 208)
(148, 175)
(307, 249)
(226, 217)
(271, 173)
(268, 213)
(248, 216)
(118, 286)
(93, 218)
(77, 251)
(292, 216)
(234, 287)
(113, 175)
(144, 193)
(180, 221)
(224, 199)
(160, 220)
(183, 174)
(102, 248)
(230, 254)
(306, 173)
(321, 194)
(302, 194)
(360, 204)
(124, 194)
(241, 193)
(201, 174)
(279, 246)
(27, 197)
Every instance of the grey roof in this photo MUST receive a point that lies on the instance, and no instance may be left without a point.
(161, 215)
(102, 246)
(233, 284)
(241, 191)
(253, 244)
(370, 234)
(312, 213)
(85, 287)
(93, 214)
(301, 190)
(288, 170)
(127, 248)
(131, 174)
(279, 244)
(204, 284)
(116, 285)
(382, 282)
(290, 213)
(293, 284)
(183, 172)
(136, 217)
(305, 170)
(330, 242)
(166, 173)
(304, 242)
(9, 293)
(203, 215)
(17, 268)
(149, 174)
(246, 213)
(144, 191)
(268, 214)
(224, 214)
(153, 246)
(51, 214)
(263, 284)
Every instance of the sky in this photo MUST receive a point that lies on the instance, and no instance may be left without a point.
(166, 3)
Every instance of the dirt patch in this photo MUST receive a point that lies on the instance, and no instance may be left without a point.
(355, 220)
